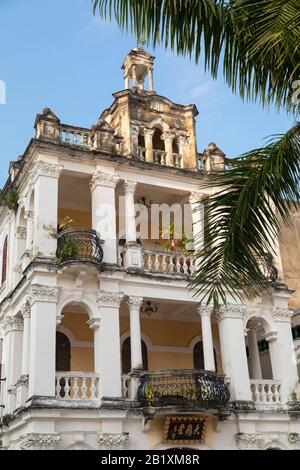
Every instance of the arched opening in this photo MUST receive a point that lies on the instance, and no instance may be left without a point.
(175, 146)
(4, 261)
(198, 356)
(63, 352)
(141, 146)
(126, 356)
(158, 143)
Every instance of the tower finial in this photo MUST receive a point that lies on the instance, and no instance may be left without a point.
(141, 42)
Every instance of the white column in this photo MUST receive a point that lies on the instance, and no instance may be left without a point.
(134, 305)
(283, 358)
(150, 77)
(103, 188)
(148, 134)
(183, 147)
(26, 339)
(13, 328)
(130, 188)
(43, 302)
(233, 351)
(207, 339)
(197, 210)
(168, 138)
(29, 235)
(254, 354)
(107, 344)
(126, 81)
(44, 177)
(134, 77)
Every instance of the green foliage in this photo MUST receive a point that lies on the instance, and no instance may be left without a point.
(256, 44)
(254, 197)
(10, 199)
(172, 240)
(70, 248)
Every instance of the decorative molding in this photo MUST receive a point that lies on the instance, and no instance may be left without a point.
(134, 302)
(21, 233)
(205, 310)
(130, 187)
(110, 299)
(195, 197)
(282, 314)
(249, 441)
(29, 215)
(168, 136)
(13, 323)
(44, 169)
(37, 441)
(40, 293)
(231, 311)
(148, 132)
(100, 178)
(25, 310)
(113, 441)
(294, 439)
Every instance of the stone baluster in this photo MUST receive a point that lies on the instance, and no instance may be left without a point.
(168, 138)
(148, 134)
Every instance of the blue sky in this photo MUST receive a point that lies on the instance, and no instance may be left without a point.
(55, 54)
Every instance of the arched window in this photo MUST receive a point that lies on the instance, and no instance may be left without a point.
(158, 143)
(63, 353)
(198, 356)
(4, 262)
(126, 356)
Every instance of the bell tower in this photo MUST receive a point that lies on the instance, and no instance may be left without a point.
(137, 67)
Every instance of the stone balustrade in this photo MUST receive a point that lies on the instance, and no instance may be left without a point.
(76, 136)
(77, 386)
(265, 392)
(168, 263)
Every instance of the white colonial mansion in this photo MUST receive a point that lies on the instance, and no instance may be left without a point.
(103, 344)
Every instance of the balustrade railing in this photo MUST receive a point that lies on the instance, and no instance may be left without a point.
(177, 160)
(159, 157)
(182, 387)
(77, 386)
(76, 136)
(78, 244)
(168, 263)
(265, 392)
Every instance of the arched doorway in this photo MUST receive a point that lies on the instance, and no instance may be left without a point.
(126, 356)
(198, 356)
(63, 353)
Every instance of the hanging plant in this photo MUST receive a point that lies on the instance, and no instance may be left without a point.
(68, 245)
(10, 199)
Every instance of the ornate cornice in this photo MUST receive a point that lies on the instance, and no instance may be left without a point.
(231, 311)
(13, 323)
(110, 299)
(113, 441)
(44, 169)
(134, 302)
(100, 178)
(40, 293)
(130, 187)
(282, 314)
(249, 441)
(37, 441)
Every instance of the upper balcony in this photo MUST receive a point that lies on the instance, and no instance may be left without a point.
(79, 245)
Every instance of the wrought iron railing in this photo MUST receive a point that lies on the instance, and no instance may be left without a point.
(78, 244)
(187, 388)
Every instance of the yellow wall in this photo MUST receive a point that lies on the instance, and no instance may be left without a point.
(81, 219)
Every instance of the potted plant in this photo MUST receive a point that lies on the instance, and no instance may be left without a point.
(173, 241)
(68, 245)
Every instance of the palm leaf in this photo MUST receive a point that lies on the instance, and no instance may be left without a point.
(253, 197)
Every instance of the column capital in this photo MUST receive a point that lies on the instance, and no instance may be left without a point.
(168, 136)
(183, 140)
(12, 323)
(29, 215)
(195, 197)
(271, 336)
(21, 233)
(94, 323)
(231, 311)
(25, 310)
(134, 302)
(113, 441)
(101, 178)
(135, 129)
(42, 168)
(205, 310)
(130, 187)
(40, 293)
(110, 299)
(38, 441)
(282, 314)
(148, 132)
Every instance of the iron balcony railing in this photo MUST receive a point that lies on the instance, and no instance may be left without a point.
(186, 388)
(79, 245)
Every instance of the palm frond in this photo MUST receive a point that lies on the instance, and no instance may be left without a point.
(257, 42)
(251, 201)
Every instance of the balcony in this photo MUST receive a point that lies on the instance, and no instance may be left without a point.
(159, 157)
(77, 386)
(265, 392)
(184, 388)
(162, 262)
(79, 245)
